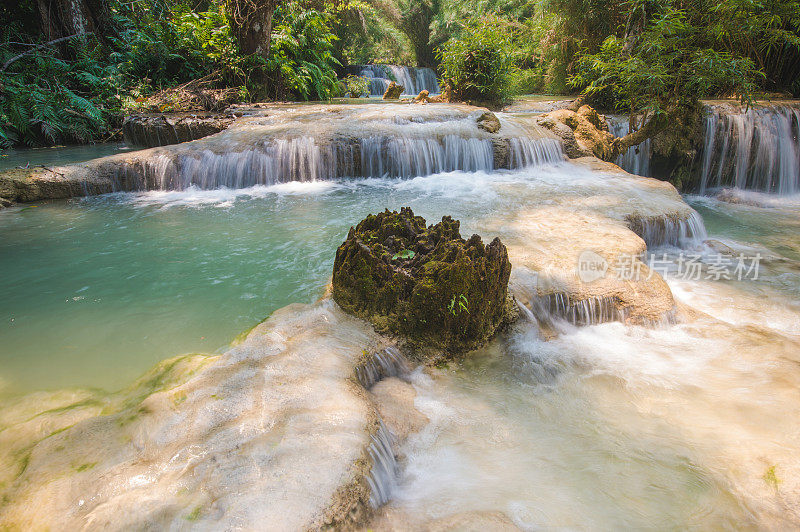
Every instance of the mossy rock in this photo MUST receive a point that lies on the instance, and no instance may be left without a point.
(393, 91)
(427, 284)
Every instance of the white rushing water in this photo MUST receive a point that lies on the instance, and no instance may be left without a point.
(691, 424)
(637, 159)
(399, 147)
(412, 79)
(757, 149)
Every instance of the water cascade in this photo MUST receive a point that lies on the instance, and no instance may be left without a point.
(757, 149)
(380, 365)
(637, 159)
(589, 311)
(293, 425)
(679, 231)
(262, 153)
(413, 79)
(382, 478)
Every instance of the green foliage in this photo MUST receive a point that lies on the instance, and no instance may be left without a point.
(176, 46)
(48, 100)
(404, 254)
(458, 305)
(366, 34)
(301, 52)
(479, 63)
(355, 86)
(525, 81)
(666, 68)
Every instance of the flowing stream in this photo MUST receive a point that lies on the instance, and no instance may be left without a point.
(693, 424)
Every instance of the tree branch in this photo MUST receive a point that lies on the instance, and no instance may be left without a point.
(39, 47)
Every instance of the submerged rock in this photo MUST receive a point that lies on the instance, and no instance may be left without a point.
(425, 283)
(488, 121)
(275, 430)
(393, 91)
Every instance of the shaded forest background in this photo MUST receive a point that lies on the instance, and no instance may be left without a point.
(71, 69)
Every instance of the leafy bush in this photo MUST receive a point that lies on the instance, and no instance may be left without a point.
(525, 81)
(667, 68)
(48, 100)
(479, 63)
(355, 86)
(177, 46)
(301, 53)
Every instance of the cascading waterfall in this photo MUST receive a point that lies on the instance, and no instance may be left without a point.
(413, 79)
(527, 151)
(386, 363)
(679, 231)
(637, 159)
(305, 159)
(758, 149)
(410, 157)
(589, 311)
(382, 478)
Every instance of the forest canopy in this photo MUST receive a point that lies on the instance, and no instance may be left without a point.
(71, 69)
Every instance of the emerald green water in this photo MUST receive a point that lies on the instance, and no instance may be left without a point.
(96, 291)
(58, 155)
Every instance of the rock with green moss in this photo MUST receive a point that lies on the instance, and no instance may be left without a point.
(427, 284)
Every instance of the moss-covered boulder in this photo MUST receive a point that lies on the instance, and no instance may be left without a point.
(426, 284)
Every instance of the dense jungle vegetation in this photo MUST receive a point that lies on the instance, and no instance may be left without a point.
(71, 69)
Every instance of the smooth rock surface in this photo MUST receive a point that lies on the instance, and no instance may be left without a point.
(275, 431)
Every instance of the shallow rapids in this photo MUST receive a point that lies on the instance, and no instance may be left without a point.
(691, 425)
(685, 422)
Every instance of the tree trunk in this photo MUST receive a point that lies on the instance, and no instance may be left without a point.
(61, 18)
(649, 129)
(251, 23)
(416, 24)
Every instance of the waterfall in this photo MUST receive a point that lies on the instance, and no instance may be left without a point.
(303, 158)
(637, 159)
(684, 232)
(589, 311)
(382, 477)
(379, 365)
(413, 79)
(410, 157)
(758, 149)
(527, 151)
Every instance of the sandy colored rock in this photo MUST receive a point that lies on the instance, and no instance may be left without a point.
(390, 519)
(584, 132)
(395, 401)
(276, 430)
(488, 121)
